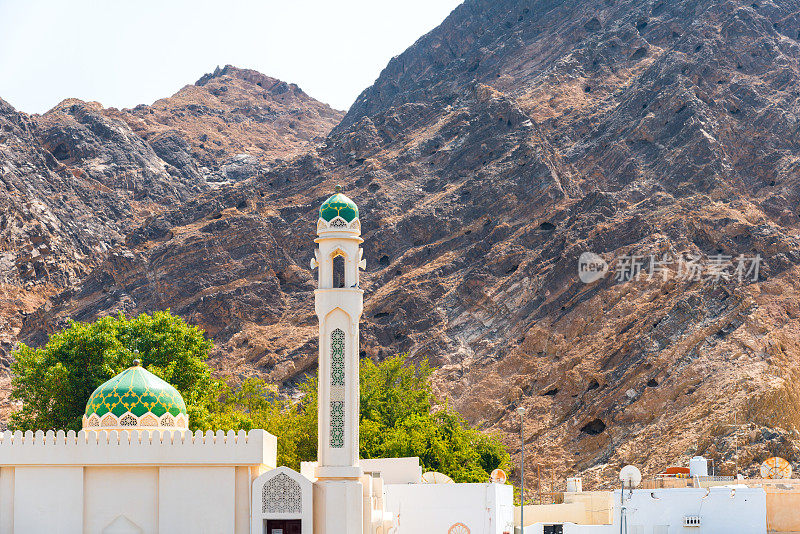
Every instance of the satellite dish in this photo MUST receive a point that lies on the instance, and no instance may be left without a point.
(776, 467)
(630, 476)
(433, 477)
(499, 476)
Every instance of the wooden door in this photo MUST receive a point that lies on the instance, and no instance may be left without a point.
(283, 526)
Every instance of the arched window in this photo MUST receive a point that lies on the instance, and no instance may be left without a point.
(338, 271)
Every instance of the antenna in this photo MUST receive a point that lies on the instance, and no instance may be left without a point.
(499, 476)
(776, 467)
(630, 476)
(434, 477)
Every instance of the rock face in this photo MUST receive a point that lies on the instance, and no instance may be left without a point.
(486, 160)
(229, 114)
(76, 180)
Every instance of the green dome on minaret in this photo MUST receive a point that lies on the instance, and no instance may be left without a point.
(135, 398)
(338, 205)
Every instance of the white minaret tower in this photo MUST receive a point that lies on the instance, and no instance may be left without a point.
(338, 499)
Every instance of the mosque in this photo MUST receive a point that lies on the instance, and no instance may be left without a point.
(135, 468)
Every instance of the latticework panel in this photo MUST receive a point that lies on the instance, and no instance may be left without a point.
(128, 420)
(148, 420)
(281, 495)
(337, 424)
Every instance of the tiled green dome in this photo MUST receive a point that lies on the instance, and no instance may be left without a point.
(340, 205)
(138, 391)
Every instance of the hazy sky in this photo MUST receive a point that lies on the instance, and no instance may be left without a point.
(127, 52)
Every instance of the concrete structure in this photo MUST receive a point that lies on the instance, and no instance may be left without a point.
(783, 505)
(579, 507)
(783, 497)
(729, 509)
(451, 508)
(130, 481)
(698, 467)
(411, 506)
(733, 509)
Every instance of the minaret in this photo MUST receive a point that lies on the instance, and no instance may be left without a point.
(338, 302)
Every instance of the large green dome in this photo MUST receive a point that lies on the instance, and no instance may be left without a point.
(338, 205)
(135, 398)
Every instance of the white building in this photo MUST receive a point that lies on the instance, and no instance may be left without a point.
(135, 468)
(733, 509)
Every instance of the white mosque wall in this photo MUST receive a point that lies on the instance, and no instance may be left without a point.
(53, 500)
(137, 448)
(339, 506)
(6, 500)
(457, 508)
(103, 502)
(197, 499)
(130, 481)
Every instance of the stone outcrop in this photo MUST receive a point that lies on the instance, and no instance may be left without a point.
(485, 160)
(76, 180)
(234, 113)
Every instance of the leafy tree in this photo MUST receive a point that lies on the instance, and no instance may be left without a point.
(55, 381)
(399, 417)
(256, 404)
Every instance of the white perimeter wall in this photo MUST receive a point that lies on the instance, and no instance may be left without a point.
(55, 500)
(423, 508)
(104, 502)
(87, 500)
(722, 510)
(6, 500)
(197, 499)
(153, 482)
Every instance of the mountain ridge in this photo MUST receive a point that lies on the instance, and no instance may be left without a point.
(485, 160)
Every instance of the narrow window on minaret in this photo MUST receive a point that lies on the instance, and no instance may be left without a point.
(338, 271)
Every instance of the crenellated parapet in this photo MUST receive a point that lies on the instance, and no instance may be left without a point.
(137, 447)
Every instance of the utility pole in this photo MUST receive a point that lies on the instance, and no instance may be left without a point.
(521, 412)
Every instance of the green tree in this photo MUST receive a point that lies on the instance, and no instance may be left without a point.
(256, 404)
(55, 381)
(399, 417)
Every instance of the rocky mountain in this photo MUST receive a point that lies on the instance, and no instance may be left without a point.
(231, 122)
(76, 180)
(486, 160)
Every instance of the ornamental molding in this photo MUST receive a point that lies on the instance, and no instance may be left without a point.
(131, 420)
(338, 224)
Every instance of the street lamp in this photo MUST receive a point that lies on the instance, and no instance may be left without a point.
(521, 412)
